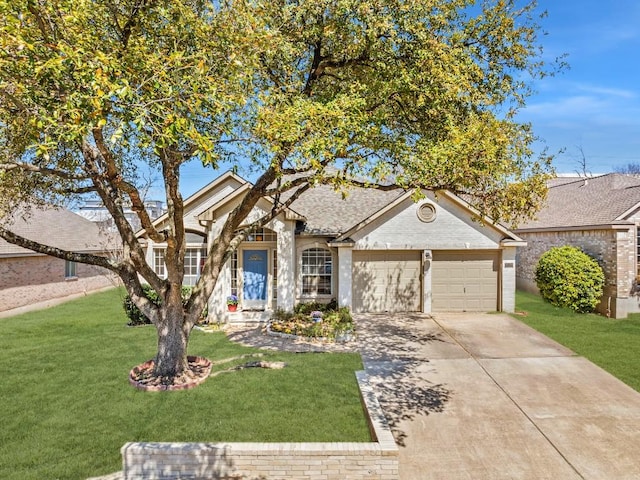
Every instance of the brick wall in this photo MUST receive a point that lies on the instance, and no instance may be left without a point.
(613, 249)
(32, 279)
(376, 460)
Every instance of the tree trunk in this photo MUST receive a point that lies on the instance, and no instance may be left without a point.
(173, 338)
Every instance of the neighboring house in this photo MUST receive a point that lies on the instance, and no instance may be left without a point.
(27, 277)
(95, 211)
(601, 216)
(374, 251)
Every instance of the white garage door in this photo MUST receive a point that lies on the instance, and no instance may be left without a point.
(464, 281)
(387, 281)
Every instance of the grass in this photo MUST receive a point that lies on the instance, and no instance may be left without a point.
(66, 407)
(612, 344)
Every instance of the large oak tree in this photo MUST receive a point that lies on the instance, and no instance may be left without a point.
(381, 93)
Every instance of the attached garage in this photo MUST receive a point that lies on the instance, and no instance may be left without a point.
(387, 281)
(464, 281)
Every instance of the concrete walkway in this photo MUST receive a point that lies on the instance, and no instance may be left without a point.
(480, 396)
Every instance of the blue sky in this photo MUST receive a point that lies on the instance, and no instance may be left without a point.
(593, 106)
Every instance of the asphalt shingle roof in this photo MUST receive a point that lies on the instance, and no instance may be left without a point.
(327, 213)
(54, 227)
(588, 201)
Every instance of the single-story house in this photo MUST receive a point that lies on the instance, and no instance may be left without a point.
(600, 215)
(27, 277)
(375, 251)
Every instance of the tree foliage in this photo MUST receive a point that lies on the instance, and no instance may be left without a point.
(384, 94)
(568, 277)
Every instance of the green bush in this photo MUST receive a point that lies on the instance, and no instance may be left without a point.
(568, 277)
(136, 317)
(308, 307)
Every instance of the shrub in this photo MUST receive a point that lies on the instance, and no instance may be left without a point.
(136, 317)
(568, 277)
(305, 321)
(308, 307)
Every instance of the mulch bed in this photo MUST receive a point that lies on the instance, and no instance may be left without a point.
(142, 376)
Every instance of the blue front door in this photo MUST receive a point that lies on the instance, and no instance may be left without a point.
(254, 268)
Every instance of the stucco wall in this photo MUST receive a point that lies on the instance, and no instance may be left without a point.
(612, 249)
(31, 279)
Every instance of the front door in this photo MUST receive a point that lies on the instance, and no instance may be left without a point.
(254, 268)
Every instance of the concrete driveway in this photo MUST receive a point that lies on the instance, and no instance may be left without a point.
(483, 396)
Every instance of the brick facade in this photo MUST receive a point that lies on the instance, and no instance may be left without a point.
(612, 248)
(37, 278)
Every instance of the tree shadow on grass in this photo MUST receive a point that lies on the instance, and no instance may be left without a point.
(390, 347)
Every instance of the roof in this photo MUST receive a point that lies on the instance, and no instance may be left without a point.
(603, 200)
(328, 213)
(59, 228)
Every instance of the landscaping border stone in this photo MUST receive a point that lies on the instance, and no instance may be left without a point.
(375, 460)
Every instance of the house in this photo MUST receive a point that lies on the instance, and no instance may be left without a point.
(27, 277)
(600, 215)
(95, 211)
(374, 251)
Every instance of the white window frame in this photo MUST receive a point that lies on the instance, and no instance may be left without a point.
(313, 271)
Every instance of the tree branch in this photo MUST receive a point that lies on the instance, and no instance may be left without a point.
(90, 259)
(29, 167)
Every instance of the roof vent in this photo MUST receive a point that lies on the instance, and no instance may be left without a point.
(426, 213)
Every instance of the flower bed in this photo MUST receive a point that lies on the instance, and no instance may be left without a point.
(314, 321)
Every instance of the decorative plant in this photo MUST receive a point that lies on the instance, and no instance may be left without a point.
(232, 300)
(568, 277)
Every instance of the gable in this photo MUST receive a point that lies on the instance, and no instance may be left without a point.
(201, 201)
(400, 228)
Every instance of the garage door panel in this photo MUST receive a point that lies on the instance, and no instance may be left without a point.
(387, 281)
(465, 281)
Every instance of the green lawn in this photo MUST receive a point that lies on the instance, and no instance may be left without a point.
(66, 406)
(614, 345)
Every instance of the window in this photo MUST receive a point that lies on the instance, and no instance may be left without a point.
(262, 235)
(234, 273)
(69, 269)
(274, 283)
(316, 271)
(158, 262)
(194, 259)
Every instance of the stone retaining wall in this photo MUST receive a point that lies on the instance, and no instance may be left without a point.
(377, 460)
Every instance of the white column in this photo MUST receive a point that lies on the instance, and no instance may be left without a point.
(508, 279)
(286, 266)
(345, 269)
(426, 281)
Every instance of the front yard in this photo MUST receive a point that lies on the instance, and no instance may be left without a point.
(614, 345)
(66, 406)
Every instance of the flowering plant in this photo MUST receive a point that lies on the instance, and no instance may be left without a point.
(232, 300)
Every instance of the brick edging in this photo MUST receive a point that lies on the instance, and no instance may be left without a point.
(270, 461)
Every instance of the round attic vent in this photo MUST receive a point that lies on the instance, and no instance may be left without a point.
(427, 212)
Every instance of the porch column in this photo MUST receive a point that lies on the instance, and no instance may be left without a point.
(427, 256)
(217, 302)
(286, 266)
(345, 274)
(508, 293)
